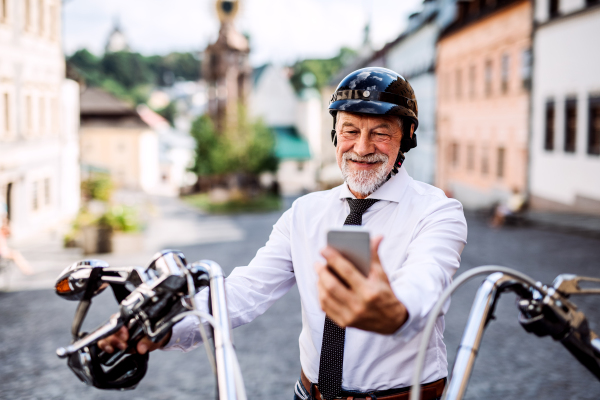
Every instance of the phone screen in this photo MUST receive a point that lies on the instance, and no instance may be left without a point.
(354, 244)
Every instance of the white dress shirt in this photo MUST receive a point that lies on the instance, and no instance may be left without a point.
(424, 234)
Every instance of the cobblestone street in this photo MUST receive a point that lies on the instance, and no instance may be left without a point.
(511, 364)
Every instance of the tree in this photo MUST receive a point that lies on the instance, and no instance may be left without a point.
(323, 69)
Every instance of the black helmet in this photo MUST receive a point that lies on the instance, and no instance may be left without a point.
(380, 91)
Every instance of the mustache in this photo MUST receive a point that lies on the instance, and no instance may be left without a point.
(369, 158)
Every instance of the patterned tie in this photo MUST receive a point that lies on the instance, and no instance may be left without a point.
(332, 348)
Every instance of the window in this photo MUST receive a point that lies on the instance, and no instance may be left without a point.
(41, 16)
(28, 114)
(3, 10)
(500, 162)
(458, 83)
(488, 78)
(35, 203)
(505, 72)
(591, 2)
(470, 157)
(485, 161)
(54, 113)
(42, 116)
(549, 131)
(526, 69)
(454, 154)
(27, 10)
(570, 125)
(47, 192)
(553, 6)
(52, 12)
(594, 126)
(6, 105)
(472, 81)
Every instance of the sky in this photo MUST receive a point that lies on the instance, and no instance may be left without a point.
(281, 31)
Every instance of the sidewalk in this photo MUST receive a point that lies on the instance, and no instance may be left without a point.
(585, 225)
(174, 224)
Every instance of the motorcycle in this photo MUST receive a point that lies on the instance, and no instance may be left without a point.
(153, 299)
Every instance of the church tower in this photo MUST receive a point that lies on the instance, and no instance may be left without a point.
(116, 40)
(226, 69)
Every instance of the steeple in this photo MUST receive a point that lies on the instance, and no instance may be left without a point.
(116, 40)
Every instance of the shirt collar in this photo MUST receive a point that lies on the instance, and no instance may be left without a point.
(392, 190)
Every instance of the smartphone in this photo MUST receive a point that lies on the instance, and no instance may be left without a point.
(354, 244)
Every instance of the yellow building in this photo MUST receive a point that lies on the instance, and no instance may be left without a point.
(483, 70)
(113, 138)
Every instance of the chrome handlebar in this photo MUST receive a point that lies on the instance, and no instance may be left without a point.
(544, 311)
(151, 301)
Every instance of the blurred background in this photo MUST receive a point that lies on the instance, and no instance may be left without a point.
(131, 126)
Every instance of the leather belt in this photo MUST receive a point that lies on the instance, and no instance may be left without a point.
(429, 391)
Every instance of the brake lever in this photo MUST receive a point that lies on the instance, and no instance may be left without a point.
(113, 325)
(568, 284)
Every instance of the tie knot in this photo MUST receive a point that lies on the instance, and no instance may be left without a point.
(359, 206)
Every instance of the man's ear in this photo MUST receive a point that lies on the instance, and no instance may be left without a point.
(412, 130)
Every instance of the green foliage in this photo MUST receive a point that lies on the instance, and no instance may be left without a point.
(121, 218)
(248, 149)
(169, 112)
(97, 187)
(129, 75)
(260, 203)
(323, 69)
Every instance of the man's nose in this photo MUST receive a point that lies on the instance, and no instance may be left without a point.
(364, 145)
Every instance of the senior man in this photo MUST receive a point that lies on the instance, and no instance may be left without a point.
(360, 335)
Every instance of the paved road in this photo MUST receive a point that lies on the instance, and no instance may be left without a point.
(511, 364)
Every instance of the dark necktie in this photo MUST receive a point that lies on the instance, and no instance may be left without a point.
(332, 348)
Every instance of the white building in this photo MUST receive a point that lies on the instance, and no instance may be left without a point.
(565, 142)
(413, 55)
(39, 119)
(295, 122)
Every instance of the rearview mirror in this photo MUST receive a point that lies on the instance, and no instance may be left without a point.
(74, 280)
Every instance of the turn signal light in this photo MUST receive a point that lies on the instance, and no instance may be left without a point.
(63, 286)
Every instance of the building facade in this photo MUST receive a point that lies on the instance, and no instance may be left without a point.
(483, 70)
(116, 140)
(39, 118)
(413, 55)
(295, 122)
(565, 145)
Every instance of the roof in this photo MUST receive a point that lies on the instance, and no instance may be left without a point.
(289, 144)
(257, 73)
(468, 17)
(95, 101)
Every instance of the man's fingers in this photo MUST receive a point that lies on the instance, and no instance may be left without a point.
(330, 284)
(145, 345)
(341, 266)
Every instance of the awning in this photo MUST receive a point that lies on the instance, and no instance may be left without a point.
(289, 144)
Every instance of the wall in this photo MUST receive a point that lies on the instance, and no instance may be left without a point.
(567, 62)
(478, 122)
(414, 58)
(273, 98)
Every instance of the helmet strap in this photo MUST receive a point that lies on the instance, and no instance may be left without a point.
(333, 132)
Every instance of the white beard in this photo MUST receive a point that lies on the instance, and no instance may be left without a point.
(364, 182)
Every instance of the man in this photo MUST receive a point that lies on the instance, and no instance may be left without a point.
(360, 334)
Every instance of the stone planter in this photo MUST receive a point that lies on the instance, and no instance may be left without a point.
(96, 239)
(127, 242)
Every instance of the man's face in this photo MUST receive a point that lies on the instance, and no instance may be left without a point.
(366, 150)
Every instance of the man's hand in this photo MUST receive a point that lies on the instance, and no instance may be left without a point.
(366, 303)
(119, 341)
